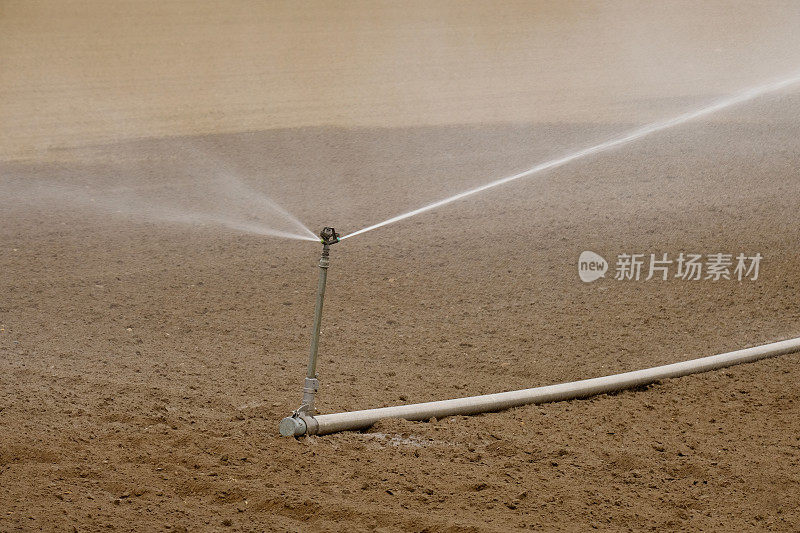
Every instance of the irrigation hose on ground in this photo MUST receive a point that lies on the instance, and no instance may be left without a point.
(355, 420)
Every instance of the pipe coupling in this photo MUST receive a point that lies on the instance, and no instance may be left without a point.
(310, 386)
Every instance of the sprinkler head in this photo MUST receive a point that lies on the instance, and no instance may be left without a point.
(328, 236)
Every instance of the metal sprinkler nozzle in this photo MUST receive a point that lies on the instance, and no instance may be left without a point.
(297, 424)
(328, 236)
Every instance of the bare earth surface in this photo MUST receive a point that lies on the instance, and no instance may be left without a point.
(145, 364)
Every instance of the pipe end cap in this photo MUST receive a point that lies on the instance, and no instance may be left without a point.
(292, 426)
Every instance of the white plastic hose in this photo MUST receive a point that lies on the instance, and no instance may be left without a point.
(331, 423)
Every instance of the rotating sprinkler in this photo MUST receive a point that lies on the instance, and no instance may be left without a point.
(302, 419)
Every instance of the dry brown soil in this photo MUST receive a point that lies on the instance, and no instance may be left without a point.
(145, 364)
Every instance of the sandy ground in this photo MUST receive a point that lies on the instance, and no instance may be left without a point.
(146, 364)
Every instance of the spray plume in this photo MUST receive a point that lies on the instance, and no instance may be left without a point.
(214, 196)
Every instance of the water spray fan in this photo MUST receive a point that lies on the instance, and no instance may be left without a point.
(303, 417)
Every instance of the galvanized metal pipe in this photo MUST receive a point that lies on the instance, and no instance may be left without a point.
(311, 384)
(331, 423)
(324, 263)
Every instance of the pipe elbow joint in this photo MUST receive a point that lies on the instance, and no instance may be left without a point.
(298, 425)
